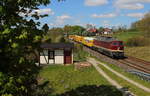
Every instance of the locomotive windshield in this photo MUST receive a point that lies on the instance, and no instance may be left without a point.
(117, 43)
(120, 43)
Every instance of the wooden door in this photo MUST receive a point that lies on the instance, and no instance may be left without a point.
(67, 57)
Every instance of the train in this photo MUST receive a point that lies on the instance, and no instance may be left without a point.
(106, 45)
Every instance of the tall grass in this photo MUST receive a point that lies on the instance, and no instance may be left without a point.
(138, 41)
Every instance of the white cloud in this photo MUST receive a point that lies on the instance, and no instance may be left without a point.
(109, 15)
(106, 23)
(95, 2)
(60, 20)
(63, 17)
(136, 15)
(130, 4)
(45, 11)
(39, 11)
(51, 24)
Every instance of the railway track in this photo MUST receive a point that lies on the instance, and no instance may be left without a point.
(129, 64)
(136, 60)
(137, 66)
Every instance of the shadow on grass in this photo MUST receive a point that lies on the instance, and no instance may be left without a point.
(93, 90)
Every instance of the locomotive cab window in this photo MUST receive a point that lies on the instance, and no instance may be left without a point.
(50, 54)
(120, 43)
(115, 43)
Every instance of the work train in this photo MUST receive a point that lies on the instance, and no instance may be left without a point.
(104, 44)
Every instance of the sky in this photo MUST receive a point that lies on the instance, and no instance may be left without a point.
(100, 13)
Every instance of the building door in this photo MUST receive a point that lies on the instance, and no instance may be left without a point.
(51, 57)
(67, 57)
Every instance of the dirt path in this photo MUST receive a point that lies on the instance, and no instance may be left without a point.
(95, 64)
(113, 82)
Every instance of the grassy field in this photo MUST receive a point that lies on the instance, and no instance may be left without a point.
(139, 52)
(124, 83)
(65, 78)
(126, 35)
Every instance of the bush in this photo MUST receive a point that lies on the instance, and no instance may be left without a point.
(79, 53)
(138, 41)
(62, 39)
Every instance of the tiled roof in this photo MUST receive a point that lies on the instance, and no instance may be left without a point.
(56, 45)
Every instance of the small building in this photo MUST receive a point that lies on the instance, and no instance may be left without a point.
(107, 31)
(56, 53)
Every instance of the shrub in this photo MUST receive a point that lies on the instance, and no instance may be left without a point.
(138, 41)
(62, 39)
(79, 53)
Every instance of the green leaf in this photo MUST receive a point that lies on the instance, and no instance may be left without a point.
(21, 60)
(6, 31)
(23, 35)
(1, 9)
(37, 38)
(14, 45)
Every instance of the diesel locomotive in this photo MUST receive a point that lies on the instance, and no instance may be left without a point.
(104, 44)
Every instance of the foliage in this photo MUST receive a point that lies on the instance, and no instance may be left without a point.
(120, 29)
(19, 37)
(55, 35)
(101, 29)
(138, 41)
(79, 54)
(73, 30)
(45, 28)
(143, 25)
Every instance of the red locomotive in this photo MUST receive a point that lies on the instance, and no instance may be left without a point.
(104, 44)
(109, 46)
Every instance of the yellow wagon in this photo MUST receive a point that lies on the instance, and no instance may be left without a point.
(88, 41)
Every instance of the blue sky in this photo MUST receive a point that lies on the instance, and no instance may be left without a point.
(106, 13)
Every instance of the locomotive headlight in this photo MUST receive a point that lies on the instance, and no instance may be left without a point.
(118, 48)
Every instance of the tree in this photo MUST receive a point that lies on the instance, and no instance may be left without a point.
(55, 34)
(73, 30)
(45, 28)
(68, 30)
(143, 25)
(101, 29)
(19, 37)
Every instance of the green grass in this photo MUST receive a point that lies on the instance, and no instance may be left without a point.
(65, 78)
(126, 35)
(129, 75)
(139, 52)
(124, 83)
